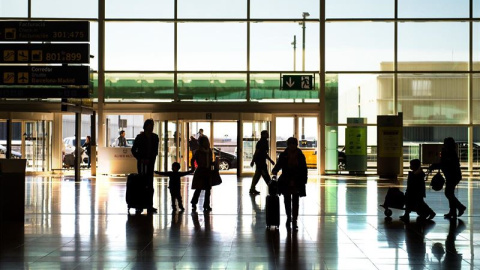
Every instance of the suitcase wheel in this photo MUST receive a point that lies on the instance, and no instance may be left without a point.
(388, 212)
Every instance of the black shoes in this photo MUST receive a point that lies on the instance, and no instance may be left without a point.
(254, 192)
(294, 225)
(461, 210)
(194, 207)
(450, 215)
(151, 210)
(174, 208)
(207, 209)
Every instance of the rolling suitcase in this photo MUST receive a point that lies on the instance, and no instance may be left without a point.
(395, 198)
(272, 206)
(138, 194)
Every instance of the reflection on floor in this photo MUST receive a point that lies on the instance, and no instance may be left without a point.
(85, 225)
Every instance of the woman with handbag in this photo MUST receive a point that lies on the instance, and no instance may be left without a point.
(292, 182)
(450, 166)
(202, 178)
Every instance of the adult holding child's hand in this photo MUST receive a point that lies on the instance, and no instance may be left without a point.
(450, 166)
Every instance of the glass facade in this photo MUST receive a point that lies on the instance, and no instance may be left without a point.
(375, 57)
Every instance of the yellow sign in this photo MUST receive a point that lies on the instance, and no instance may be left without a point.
(390, 142)
(37, 55)
(8, 55)
(8, 77)
(23, 77)
(22, 56)
(10, 33)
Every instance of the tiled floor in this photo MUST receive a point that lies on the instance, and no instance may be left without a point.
(85, 225)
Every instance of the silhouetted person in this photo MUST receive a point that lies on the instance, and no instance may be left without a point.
(294, 177)
(416, 192)
(450, 166)
(260, 158)
(88, 149)
(174, 184)
(145, 150)
(201, 179)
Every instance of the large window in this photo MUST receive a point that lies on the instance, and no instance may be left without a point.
(212, 46)
(476, 46)
(138, 9)
(139, 46)
(363, 95)
(9, 8)
(272, 46)
(427, 44)
(359, 9)
(212, 9)
(358, 46)
(64, 8)
(284, 8)
(433, 98)
(476, 98)
(433, 9)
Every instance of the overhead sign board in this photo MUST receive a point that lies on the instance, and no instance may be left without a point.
(44, 31)
(297, 82)
(44, 75)
(44, 93)
(15, 53)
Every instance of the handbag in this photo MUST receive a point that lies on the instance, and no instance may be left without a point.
(215, 174)
(437, 181)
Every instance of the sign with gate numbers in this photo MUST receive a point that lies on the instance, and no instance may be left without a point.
(44, 31)
(15, 53)
(44, 75)
(297, 82)
(15, 79)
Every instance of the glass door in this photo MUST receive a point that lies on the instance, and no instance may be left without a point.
(168, 152)
(308, 139)
(225, 145)
(36, 145)
(305, 129)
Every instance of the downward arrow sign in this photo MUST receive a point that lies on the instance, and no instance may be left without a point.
(290, 83)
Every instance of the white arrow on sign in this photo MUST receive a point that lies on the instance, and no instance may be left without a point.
(290, 83)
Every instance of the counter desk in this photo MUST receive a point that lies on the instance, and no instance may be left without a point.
(116, 160)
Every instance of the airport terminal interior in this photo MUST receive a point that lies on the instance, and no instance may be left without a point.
(365, 87)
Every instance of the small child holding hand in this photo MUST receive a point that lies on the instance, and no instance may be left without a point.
(174, 184)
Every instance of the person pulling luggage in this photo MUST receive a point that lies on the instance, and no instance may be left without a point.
(292, 182)
(145, 150)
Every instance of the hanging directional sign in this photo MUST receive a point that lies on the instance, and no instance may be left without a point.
(15, 53)
(44, 75)
(44, 31)
(297, 82)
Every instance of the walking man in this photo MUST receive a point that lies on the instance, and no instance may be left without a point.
(260, 160)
